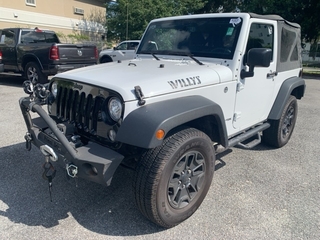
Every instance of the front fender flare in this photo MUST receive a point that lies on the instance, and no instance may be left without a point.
(139, 127)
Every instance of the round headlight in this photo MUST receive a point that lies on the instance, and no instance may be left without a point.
(54, 89)
(115, 108)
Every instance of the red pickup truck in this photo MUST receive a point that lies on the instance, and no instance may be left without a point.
(37, 53)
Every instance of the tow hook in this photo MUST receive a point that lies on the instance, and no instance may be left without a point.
(48, 151)
(28, 139)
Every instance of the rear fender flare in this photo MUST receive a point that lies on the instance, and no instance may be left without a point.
(292, 86)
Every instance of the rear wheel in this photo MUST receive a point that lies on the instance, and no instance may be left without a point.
(34, 74)
(281, 130)
(172, 180)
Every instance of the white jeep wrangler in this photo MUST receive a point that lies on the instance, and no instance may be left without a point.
(200, 84)
(123, 51)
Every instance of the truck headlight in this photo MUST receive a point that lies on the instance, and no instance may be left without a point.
(54, 89)
(115, 108)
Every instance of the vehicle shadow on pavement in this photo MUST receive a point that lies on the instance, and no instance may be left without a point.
(13, 81)
(104, 210)
(220, 163)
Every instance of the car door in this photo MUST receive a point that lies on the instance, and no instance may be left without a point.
(8, 48)
(255, 95)
(126, 50)
(121, 52)
(131, 49)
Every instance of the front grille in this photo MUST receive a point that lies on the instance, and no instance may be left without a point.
(78, 108)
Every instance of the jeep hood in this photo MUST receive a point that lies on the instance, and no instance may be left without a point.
(154, 77)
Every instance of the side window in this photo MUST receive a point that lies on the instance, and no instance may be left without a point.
(132, 46)
(260, 36)
(7, 38)
(288, 39)
(122, 46)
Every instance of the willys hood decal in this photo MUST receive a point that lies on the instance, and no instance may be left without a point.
(154, 77)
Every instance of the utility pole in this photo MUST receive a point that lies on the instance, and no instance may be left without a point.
(127, 20)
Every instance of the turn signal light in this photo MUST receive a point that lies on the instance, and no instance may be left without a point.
(160, 134)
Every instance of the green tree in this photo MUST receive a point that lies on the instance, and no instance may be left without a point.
(136, 14)
(214, 6)
(129, 18)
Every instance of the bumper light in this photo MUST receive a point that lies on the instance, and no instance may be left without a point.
(112, 135)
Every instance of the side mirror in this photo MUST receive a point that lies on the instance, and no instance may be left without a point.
(114, 48)
(257, 57)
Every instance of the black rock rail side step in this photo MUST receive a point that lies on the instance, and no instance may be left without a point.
(254, 142)
(239, 139)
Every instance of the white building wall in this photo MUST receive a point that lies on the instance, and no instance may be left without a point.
(19, 18)
(306, 51)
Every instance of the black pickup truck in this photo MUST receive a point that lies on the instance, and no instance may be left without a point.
(37, 53)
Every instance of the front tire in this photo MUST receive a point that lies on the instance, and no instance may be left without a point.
(172, 180)
(280, 131)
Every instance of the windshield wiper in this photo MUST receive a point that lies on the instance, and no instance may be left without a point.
(150, 52)
(154, 55)
(194, 59)
(177, 53)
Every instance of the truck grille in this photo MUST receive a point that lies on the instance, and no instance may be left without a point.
(78, 108)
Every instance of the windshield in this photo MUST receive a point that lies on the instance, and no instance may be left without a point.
(200, 37)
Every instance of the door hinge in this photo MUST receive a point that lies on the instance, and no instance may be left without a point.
(236, 116)
(240, 86)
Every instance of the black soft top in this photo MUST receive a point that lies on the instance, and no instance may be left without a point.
(274, 17)
(289, 42)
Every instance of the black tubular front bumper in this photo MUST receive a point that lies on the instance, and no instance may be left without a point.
(93, 161)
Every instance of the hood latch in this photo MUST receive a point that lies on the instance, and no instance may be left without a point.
(139, 95)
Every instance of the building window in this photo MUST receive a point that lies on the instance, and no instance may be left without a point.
(79, 11)
(31, 2)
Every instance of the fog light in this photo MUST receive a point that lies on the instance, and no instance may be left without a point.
(112, 135)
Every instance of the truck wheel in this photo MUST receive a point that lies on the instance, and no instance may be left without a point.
(105, 59)
(34, 74)
(281, 130)
(172, 180)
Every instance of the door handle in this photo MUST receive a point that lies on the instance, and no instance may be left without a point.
(273, 74)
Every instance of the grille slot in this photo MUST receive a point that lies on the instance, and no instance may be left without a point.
(80, 109)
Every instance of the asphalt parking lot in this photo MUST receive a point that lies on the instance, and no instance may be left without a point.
(263, 193)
